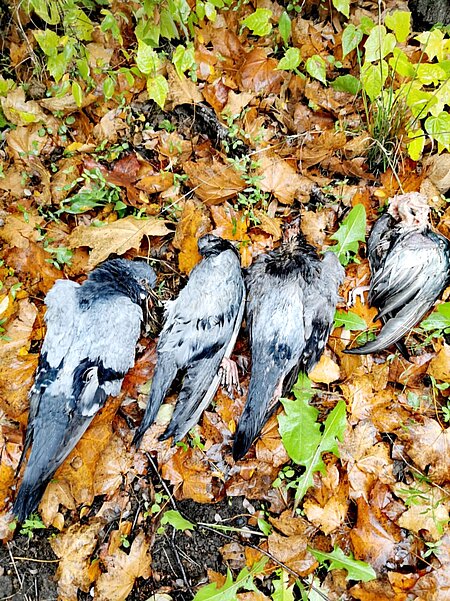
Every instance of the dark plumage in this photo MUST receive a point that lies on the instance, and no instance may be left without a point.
(410, 269)
(89, 346)
(200, 329)
(292, 297)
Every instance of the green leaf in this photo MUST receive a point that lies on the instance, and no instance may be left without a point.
(379, 44)
(400, 23)
(83, 68)
(229, 590)
(438, 320)
(285, 27)
(343, 6)
(77, 93)
(169, 29)
(147, 59)
(351, 38)
(282, 590)
(290, 60)
(346, 83)
(79, 23)
(349, 321)
(109, 87)
(305, 439)
(183, 59)
(317, 68)
(434, 43)
(430, 74)
(175, 519)
(401, 63)
(419, 101)
(351, 231)
(42, 8)
(416, 143)
(439, 129)
(48, 40)
(373, 78)
(158, 88)
(259, 21)
(264, 526)
(356, 570)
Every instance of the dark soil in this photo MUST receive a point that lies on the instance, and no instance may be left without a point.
(179, 559)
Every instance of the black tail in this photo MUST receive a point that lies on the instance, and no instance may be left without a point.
(164, 375)
(263, 383)
(28, 498)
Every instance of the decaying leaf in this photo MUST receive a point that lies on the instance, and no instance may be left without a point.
(212, 181)
(117, 237)
(281, 179)
(193, 224)
(123, 569)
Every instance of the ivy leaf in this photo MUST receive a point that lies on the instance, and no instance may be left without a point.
(317, 68)
(349, 321)
(285, 27)
(439, 129)
(305, 439)
(400, 23)
(438, 320)
(351, 231)
(158, 89)
(259, 21)
(175, 519)
(228, 591)
(343, 6)
(356, 569)
(379, 44)
(351, 39)
(290, 60)
(346, 83)
(48, 40)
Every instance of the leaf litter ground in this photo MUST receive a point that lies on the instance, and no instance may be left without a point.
(385, 499)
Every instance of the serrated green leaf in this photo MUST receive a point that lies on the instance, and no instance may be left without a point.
(175, 519)
(259, 21)
(349, 320)
(351, 231)
(290, 60)
(379, 44)
(229, 590)
(356, 569)
(351, 38)
(439, 128)
(438, 320)
(158, 88)
(77, 93)
(285, 27)
(400, 23)
(346, 83)
(317, 68)
(343, 6)
(282, 590)
(147, 58)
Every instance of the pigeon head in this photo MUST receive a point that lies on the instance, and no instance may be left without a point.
(211, 246)
(410, 209)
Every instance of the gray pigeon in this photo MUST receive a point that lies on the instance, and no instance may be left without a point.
(410, 269)
(292, 297)
(89, 346)
(199, 333)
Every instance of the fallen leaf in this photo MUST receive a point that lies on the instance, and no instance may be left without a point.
(194, 223)
(439, 366)
(74, 547)
(122, 570)
(19, 111)
(327, 503)
(188, 471)
(233, 225)
(259, 73)
(16, 379)
(326, 371)
(292, 551)
(281, 179)
(113, 466)
(57, 493)
(117, 237)
(212, 181)
(428, 511)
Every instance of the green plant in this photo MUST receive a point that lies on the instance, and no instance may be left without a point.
(32, 523)
(351, 231)
(96, 192)
(304, 438)
(356, 570)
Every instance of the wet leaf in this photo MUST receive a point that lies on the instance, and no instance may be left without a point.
(356, 570)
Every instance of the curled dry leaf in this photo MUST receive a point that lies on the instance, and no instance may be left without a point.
(123, 569)
(193, 224)
(75, 547)
(57, 493)
(117, 237)
(212, 181)
(19, 111)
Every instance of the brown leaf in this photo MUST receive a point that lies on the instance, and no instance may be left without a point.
(74, 547)
(212, 181)
(32, 265)
(18, 332)
(428, 513)
(190, 474)
(112, 468)
(281, 179)
(57, 493)
(326, 371)
(16, 379)
(117, 237)
(232, 225)
(258, 73)
(439, 366)
(327, 504)
(181, 91)
(122, 570)
(194, 223)
(20, 111)
(292, 551)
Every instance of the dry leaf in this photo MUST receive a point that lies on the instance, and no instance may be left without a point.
(439, 367)
(122, 570)
(112, 468)
(194, 223)
(74, 547)
(429, 511)
(117, 237)
(281, 179)
(212, 181)
(326, 371)
(258, 73)
(292, 551)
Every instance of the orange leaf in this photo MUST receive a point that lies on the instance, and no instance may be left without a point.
(193, 224)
